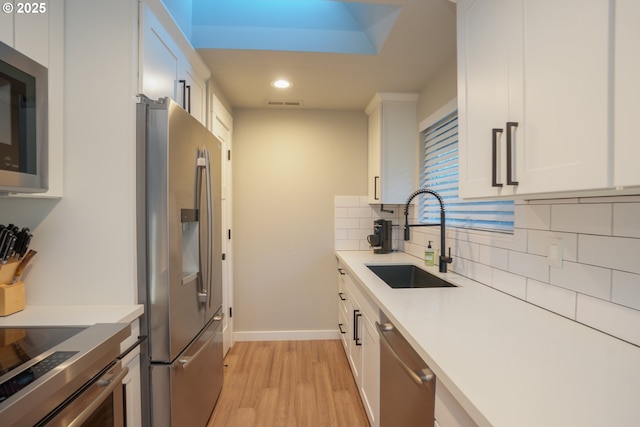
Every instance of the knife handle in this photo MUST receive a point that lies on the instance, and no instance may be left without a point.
(23, 264)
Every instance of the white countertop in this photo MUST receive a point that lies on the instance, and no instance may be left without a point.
(72, 315)
(507, 362)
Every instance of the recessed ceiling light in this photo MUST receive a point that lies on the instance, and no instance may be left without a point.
(281, 84)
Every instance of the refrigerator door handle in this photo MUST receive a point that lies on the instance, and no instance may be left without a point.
(209, 226)
(201, 166)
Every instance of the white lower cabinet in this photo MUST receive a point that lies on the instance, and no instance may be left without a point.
(448, 412)
(131, 382)
(370, 382)
(357, 317)
(356, 321)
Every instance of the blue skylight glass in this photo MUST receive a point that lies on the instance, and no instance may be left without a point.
(288, 25)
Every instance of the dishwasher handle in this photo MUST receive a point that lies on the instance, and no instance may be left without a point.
(418, 376)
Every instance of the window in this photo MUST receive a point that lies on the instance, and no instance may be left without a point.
(440, 173)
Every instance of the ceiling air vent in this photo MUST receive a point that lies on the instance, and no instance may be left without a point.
(289, 104)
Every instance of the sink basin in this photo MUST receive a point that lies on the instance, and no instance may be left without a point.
(408, 276)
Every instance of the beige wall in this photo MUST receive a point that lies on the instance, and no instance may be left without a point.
(440, 90)
(288, 166)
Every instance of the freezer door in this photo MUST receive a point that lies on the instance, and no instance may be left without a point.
(185, 392)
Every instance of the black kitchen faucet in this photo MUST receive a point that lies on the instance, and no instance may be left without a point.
(444, 259)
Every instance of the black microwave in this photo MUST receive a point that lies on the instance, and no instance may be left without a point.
(23, 123)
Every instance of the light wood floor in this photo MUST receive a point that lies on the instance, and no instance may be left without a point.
(288, 384)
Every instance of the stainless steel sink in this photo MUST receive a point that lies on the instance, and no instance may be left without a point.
(408, 276)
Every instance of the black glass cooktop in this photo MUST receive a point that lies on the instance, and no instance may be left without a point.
(19, 345)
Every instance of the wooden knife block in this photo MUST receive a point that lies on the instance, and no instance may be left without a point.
(12, 296)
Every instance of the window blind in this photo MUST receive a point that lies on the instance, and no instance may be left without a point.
(440, 173)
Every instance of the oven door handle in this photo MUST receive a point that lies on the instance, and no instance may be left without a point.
(108, 381)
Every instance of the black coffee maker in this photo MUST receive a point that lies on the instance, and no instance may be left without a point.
(380, 240)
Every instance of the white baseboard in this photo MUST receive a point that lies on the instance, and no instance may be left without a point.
(286, 335)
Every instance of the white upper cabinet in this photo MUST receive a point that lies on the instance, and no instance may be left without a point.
(6, 27)
(393, 144)
(159, 59)
(534, 96)
(166, 69)
(39, 35)
(627, 93)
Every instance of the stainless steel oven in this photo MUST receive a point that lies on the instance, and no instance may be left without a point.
(62, 376)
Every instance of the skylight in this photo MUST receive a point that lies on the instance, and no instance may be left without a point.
(285, 25)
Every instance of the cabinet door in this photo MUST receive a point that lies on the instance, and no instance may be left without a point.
(544, 66)
(343, 315)
(159, 60)
(355, 343)
(627, 93)
(370, 389)
(196, 90)
(31, 30)
(375, 134)
(448, 412)
(564, 142)
(483, 94)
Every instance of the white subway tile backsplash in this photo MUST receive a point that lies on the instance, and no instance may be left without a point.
(528, 265)
(358, 233)
(347, 245)
(347, 223)
(364, 246)
(532, 216)
(538, 243)
(618, 253)
(614, 319)
(359, 212)
(625, 219)
(552, 298)
(586, 279)
(626, 289)
(509, 283)
(342, 233)
(494, 257)
(463, 249)
(473, 270)
(582, 218)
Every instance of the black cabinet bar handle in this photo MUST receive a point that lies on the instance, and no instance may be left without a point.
(510, 126)
(356, 316)
(494, 158)
(184, 93)
(341, 295)
(376, 179)
(189, 103)
(341, 271)
(340, 327)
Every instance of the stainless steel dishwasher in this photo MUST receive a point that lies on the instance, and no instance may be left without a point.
(407, 385)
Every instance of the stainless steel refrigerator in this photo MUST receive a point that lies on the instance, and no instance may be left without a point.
(179, 264)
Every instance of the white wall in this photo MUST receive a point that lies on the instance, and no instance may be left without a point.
(287, 167)
(86, 240)
(440, 90)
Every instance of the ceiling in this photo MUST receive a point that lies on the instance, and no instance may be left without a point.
(410, 51)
